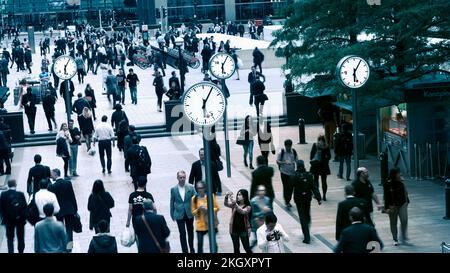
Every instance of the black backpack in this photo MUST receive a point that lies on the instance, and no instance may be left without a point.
(143, 160)
(16, 207)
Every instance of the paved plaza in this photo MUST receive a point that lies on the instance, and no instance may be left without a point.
(427, 229)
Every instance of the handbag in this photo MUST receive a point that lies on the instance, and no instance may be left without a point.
(32, 212)
(241, 142)
(219, 164)
(166, 248)
(77, 226)
(127, 238)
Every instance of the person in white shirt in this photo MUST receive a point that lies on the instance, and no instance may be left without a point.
(181, 210)
(43, 197)
(271, 236)
(104, 134)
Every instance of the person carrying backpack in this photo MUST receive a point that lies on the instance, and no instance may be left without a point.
(344, 150)
(139, 159)
(14, 211)
(286, 163)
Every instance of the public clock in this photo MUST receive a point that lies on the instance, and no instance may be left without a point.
(65, 67)
(353, 71)
(222, 65)
(204, 103)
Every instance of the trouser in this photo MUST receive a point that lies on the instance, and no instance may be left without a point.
(200, 237)
(402, 213)
(323, 177)
(243, 236)
(80, 73)
(159, 102)
(259, 105)
(288, 188)
(265, 154)
(348, 160)
(66, 165)
(304, 213)
(250, 101)
(248, 150)
(183, 225)
(107, 220)
(31, 116)
(73, 159)
(112, 63)
(20, 232)
(217, 187)
(4, 158)
(133, 93)
(330, 129)
(50, 116)
(68, 221)
(122, 93)
(88, 139)
(90, 65)
(28, 67)
(4, 78)
(105, 146)
(260, 67)
(43, 51)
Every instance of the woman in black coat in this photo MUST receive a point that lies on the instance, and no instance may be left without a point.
(90, 96)
(320, 157)
(158, 83)
(86, 126)
(99, 204)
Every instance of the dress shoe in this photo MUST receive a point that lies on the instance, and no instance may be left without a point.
(103, 170)
(251, 167)
(307, 242)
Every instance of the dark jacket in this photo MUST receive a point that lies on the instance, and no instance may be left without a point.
(128, 141)
(62, 149)
(86, 125)
(48, 103)
(395, 194)
(158, 83)
(79, 105)
(4, 143)
(99, 207)
(175, 80)
(322, 167)
(344, 144)
(31, 98)
(103, 243)
(262, 176)
(258, 57)
(36, 174)
(66, 197)
(62, 89)
(133, 158)
(10, 198)
(117, 117)
(196, 173)
(28, 57)
(342, 216)
(158, 225)
(354, 239)
(304, 187)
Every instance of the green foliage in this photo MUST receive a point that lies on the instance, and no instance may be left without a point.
(320, 32)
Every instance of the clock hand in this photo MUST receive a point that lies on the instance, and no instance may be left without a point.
(66, 66)
(354, 71)
(207, 97)
(223, 71)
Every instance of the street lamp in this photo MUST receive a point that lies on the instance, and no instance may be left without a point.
(179, 43)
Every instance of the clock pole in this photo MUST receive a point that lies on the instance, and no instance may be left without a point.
(209, 187)
(355, 130)
(68, 100)
(225, 128)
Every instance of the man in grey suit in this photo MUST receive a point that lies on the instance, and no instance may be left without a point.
(49, 234)
(181, 211)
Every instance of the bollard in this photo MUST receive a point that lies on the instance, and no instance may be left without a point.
(301, 131)
(447, 199)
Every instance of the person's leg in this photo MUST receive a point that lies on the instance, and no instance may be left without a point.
(101, 152)
(190, 233)
(393, 216)
(235, 240)
(10, 236)
(122, 94)
(403, 214)
(348, 161)
(74, 155)
(245, 154)
(285, 181)
(108, 156)
(303, 221)
(49, 122)
(250, 153)
(200, 241)
(79, 76)
(316, 180)
(245, 242)
(66, 166)
(327, 129)
(68, 222)
(341, 165)
(20, 229)
(324, 186)
(182, 230)
(7, 163)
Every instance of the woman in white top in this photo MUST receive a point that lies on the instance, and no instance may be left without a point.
(271, 236)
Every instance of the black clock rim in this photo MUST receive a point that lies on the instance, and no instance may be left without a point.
(339, 66)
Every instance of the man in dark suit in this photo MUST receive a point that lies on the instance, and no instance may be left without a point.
(198, 171)
(174, 79)
(36, 174)
(29, 105)
(158, 226)
(13, 207)
(128, 142)
(252, 76)
(181, 210)
(137, 167)
(262, 175)
(67, 202)
(304, 189)
(358, 237)
(344, 207)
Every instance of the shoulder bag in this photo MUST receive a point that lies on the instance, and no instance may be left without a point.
(166, 248)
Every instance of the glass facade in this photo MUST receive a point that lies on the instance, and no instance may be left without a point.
(258, 9)
(184, 10)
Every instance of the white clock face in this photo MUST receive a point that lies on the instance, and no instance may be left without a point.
(222, 66)
(65, 67)
(353, 71)
(204, 103)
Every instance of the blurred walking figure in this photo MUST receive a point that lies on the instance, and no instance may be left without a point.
(286, 163)
(344, 151)
(265, 139)
(396, 204)
(320, 157)
(100, 203)
(248, 132)
(86, 126)
(239, 222)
